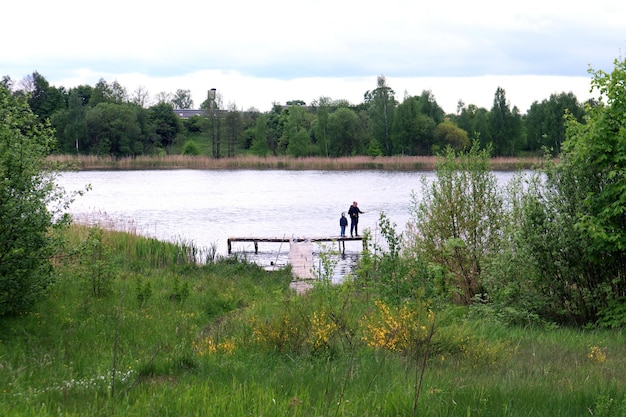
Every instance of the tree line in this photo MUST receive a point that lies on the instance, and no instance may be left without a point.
(106, 120)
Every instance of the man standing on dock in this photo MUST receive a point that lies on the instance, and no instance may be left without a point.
(354, 212)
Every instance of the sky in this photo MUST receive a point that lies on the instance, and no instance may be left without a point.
(256, 53)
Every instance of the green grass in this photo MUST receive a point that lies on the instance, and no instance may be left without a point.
(173, 338)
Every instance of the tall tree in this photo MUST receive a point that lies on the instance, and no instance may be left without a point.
(166, 125)
(141, 96)
(213, 107)
(182, 99)
(105, 92)
(504, 125)
(112, 129)
(381, 104)
(545, 121)
(322, 112)
(428, 106)
(297, 126)
(343, 133)
(475, 121)
(260, 146)
(70, 124)
(43, 99)
(404, 130)
(234, 129)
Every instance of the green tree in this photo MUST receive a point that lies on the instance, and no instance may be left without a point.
(44, 100)
(320, 128)
(300, 144)
(259, 144)
(182, 99)
(570, 238)
(381, 104)
(112, 129)
(275, 126)
(297, 125)
(545, 121)
(428, 106)
(234, 129)
(600, 147)
(28, 201)
(414, 123)
(449, 134)
(70, 124)
(165, 123)
(504, 125)
(104, 92)
(343, 132)
(404, 129)
(475, 121)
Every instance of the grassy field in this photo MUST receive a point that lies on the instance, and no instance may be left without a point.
(134, 327)
(395, 163)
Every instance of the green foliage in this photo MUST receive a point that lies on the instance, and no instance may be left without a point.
(475, 121)
(381, 104)
(180, 290)
(98, 270)
(571, 229)
(505, 126)
(458, 221)
(614, 314)
(30, 206)
(449, 134)
(191, 148)
(343, 132)
(143, 290)
(545, 121)
(166, 125)
(112, 129)
(383, 267)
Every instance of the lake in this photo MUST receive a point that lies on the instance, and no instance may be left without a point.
(206, 207)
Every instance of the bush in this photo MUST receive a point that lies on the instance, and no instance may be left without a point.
(191, 148)
(30, 206)
(458, 222)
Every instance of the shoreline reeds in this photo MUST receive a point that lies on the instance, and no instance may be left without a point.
(355, 163)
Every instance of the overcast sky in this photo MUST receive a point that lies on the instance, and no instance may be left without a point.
(259, 52)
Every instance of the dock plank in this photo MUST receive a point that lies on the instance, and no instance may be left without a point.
(257, 240)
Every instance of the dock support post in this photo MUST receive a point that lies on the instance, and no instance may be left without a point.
(229, 247)
(256, 246)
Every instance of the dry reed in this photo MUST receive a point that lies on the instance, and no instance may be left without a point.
(389, 163)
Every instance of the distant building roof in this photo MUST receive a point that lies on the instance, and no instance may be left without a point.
(187, 113)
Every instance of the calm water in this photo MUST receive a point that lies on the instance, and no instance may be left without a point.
(206, 207)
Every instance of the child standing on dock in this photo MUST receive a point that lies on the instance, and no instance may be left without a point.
(343, 222)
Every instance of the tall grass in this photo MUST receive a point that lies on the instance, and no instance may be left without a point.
(231, 339)
(393, 163)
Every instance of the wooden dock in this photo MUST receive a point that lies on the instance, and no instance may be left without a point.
(341, 241)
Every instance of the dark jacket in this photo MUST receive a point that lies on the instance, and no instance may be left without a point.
(353, 212)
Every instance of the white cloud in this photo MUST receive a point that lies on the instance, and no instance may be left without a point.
(259, 52)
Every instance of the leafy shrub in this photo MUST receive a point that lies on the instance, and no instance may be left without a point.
(30, 206)
(457, 224)
(191, 148)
